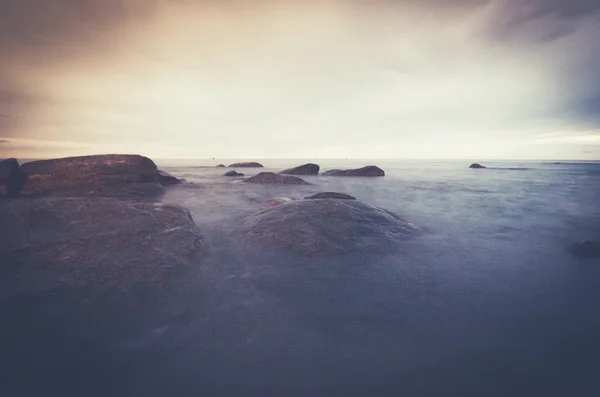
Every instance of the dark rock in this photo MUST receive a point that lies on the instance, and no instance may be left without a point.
(329, 227)
(167, 179)
(111, 175)
(586, 250)
(246, 165)
(476, 166)
(306, 169)
(369, 170)
(233, 173)
(330, 172)
(331, 195)
(221, 166)
(12, 178)
(269, 178)
(101, 248)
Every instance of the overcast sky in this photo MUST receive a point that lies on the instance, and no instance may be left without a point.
(481, 79)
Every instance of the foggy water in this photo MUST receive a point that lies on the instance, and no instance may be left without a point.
(488, 302)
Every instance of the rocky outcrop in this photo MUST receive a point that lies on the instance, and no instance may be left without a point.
(306, 169)
(12, 178)
(101, 248)
(112, 175)
(586, 250)
(329, 227)
(250, 164)
(476, 166)
(369, 170)
(270, 178)
(331, 195)
(233, 173)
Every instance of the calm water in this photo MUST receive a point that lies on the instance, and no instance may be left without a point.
(487, 302)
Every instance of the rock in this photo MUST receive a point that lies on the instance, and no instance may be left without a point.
(476, 166)
(167, 179)
(12, 178)
(306, 169)
(369, 170)
(329, 227)
(221, 166)
(330, 172)
(101, 248)
(270, 178)
(111, 175)
(586, 250)
(246, 165)
(331, 195)
(233, 173)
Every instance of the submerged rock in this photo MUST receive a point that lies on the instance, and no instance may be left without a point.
(369, 170)
(306, 169)
(100, 175)
(331, 195)
(250, 164)
(101, 248)
(12, 178)
(586, 250)
(270, 178)
(329, 227)
(476, 166)
(233, 173)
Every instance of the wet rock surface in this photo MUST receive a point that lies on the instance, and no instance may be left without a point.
(99, 175)
(249, 164)
(306, 169)
(369, 170)
(331, 195)
(270, 178)
(329, 226)
(101, 248)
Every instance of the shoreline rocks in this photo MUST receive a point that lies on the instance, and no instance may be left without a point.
(305, 169)
(249, 164)
(270, 178)
(368, 171)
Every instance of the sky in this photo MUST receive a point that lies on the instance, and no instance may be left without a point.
(431, 79)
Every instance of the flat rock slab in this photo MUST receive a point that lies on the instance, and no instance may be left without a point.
(101, 175)
(369, 170)
(306, 169)
(328, 226)
(101, 247)
(270, 178)
(250, 164)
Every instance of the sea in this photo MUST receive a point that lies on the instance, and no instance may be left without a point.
(487, 301)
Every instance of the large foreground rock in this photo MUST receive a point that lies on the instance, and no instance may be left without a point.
(369, 170)
(99, 248)
(250, 164)
(12, 178)
(270, 178)
(329, 226)
(306, 169)
(100, 175)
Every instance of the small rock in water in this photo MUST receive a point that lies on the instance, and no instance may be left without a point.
(221, 166)
(270, 178)
(369, 170)
(249, 164)
(331, 195)
(233, 173)
(586, 250)
(476, 166)
(306, 169)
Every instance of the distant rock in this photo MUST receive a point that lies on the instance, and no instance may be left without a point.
(12, 178)
(113, 175)
(331, 195)
(330, 172)
(369, 170)
(586, 250)
(99, 248)
(306, 169)
(321, 227)
(476, 166)
(233, 173)
(250, 164)
(270, 178)
(221, 166)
